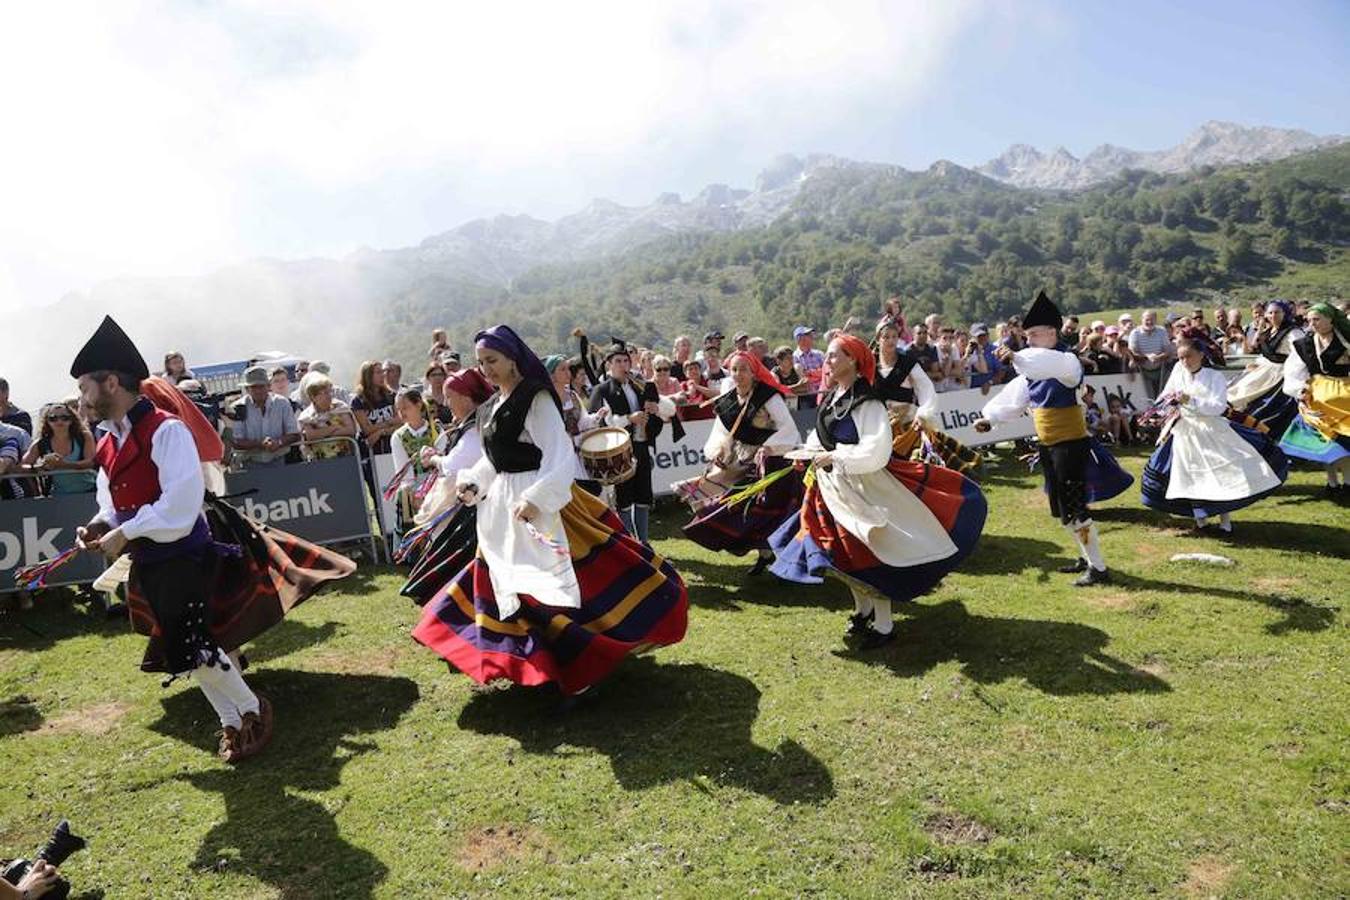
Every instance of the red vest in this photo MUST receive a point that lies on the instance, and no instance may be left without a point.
(133, 477)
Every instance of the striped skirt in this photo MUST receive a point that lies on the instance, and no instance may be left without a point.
(1274, 409)
(811, 542)
(746, 525)
(631, 599)
(939, 449)
(1322, 435)
(447, 554)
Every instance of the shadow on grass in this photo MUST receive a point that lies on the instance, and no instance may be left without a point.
(998, 554)
(1299, 615)
(659, 724)
(19, 714)
(1303, 537)
(286, 637)
(1060, 658)
(269, 832)
(55, 617)
(728, 585)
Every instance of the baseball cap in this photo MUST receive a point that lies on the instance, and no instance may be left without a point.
(978, 329)
(801, 330)
(713, 335)
(741, 336)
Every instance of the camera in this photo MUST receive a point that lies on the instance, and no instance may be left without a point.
(56, 851)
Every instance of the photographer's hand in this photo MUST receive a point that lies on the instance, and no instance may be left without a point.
(37, 881)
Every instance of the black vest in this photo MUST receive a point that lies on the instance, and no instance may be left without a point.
(892, 387)
(831, 412)
(728, 407)
(501, 434)
(1334, 361)
(610, 393)
(1270, 347)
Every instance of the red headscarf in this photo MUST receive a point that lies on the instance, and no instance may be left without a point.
(761, 371)
(469, 383)
(171, 400)
(861, 355)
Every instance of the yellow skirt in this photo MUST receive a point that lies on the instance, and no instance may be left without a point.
(1329, 409)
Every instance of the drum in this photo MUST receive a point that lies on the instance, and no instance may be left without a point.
(607, 455)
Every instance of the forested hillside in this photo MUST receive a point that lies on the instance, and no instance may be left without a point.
(948, 240)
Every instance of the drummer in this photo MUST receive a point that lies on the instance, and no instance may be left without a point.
(635, 405)
(752, 430)
(576, 419)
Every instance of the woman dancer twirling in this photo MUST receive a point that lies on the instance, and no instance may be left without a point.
(557, 593)
(1259, 391)
(889, 528)
(1317, 374)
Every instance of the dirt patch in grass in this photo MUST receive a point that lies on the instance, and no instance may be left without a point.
(98, 719)
(496, 845)
(1111, 601)
(951, 828)
(1207, 876)
(1274, 584)
(1152, 665)
(372, 660)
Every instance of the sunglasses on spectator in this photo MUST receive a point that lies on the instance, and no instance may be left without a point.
(61, 418)
(663, 368)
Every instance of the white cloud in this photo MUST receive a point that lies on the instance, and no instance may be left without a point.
(147, 138)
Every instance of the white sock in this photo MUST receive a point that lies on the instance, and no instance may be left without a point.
(1336, 471)
(1225, 522)
(1085, 534)
(1200, 521)
(862, 603)
(225, 710)
(881, 615)
(231, 686)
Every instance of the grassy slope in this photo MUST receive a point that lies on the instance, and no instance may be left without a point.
(1181, 732)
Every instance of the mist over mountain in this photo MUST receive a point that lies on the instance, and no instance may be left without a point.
(814, 238)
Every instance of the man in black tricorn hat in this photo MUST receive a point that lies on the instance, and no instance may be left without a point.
(1047, 383)
(637, 406)
(196, 597)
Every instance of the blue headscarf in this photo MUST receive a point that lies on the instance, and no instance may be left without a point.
(1287, 308)
(505, 341)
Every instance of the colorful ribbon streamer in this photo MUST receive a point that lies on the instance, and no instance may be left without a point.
(32, 578)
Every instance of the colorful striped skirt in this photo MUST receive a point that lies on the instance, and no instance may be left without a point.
(447, 554)
(933, 446)
(1274, 409)
(631, 599)
(1322, 434)
(1158, 475)
(740, 527)
(811, 542)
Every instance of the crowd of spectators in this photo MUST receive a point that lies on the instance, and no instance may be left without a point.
(297, 413)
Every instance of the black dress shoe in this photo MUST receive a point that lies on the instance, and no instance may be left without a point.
(857, 624)
(1092, 576)
(1073, 568)
(760, 565)
(875, 639)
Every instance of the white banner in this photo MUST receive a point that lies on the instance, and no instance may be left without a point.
(960, 410)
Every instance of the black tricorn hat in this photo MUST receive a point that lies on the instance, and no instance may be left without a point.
(618, 346)
(1043, 312)
(109, 350)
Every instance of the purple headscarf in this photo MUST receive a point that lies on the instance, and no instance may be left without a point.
(1287, 308)
(506, 342)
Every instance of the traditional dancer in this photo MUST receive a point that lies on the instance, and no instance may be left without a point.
(449, 527)
(1317, 374)
(200, 585)
(912, 403)
(1047, 382)
(635, 405)
(1259, 391)
(558, 592)
(889, 528)
(749, 498)
(1206, 464)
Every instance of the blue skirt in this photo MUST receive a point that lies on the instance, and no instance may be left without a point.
(1274, 409)
(1158, 474)
(1302, 441)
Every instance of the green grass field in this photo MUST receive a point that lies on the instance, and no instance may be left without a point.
(1182, 732)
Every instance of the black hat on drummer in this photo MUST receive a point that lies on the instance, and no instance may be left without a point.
(617, 347)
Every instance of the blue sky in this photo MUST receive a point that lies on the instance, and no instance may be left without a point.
(167, 138)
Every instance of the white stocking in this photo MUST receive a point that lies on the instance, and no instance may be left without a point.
(881, 617)
(862, 602)
(225, 710)
(1085, 533)
(228, 684)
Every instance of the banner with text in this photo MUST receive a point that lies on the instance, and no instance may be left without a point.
(37, 529)
(321, 501)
